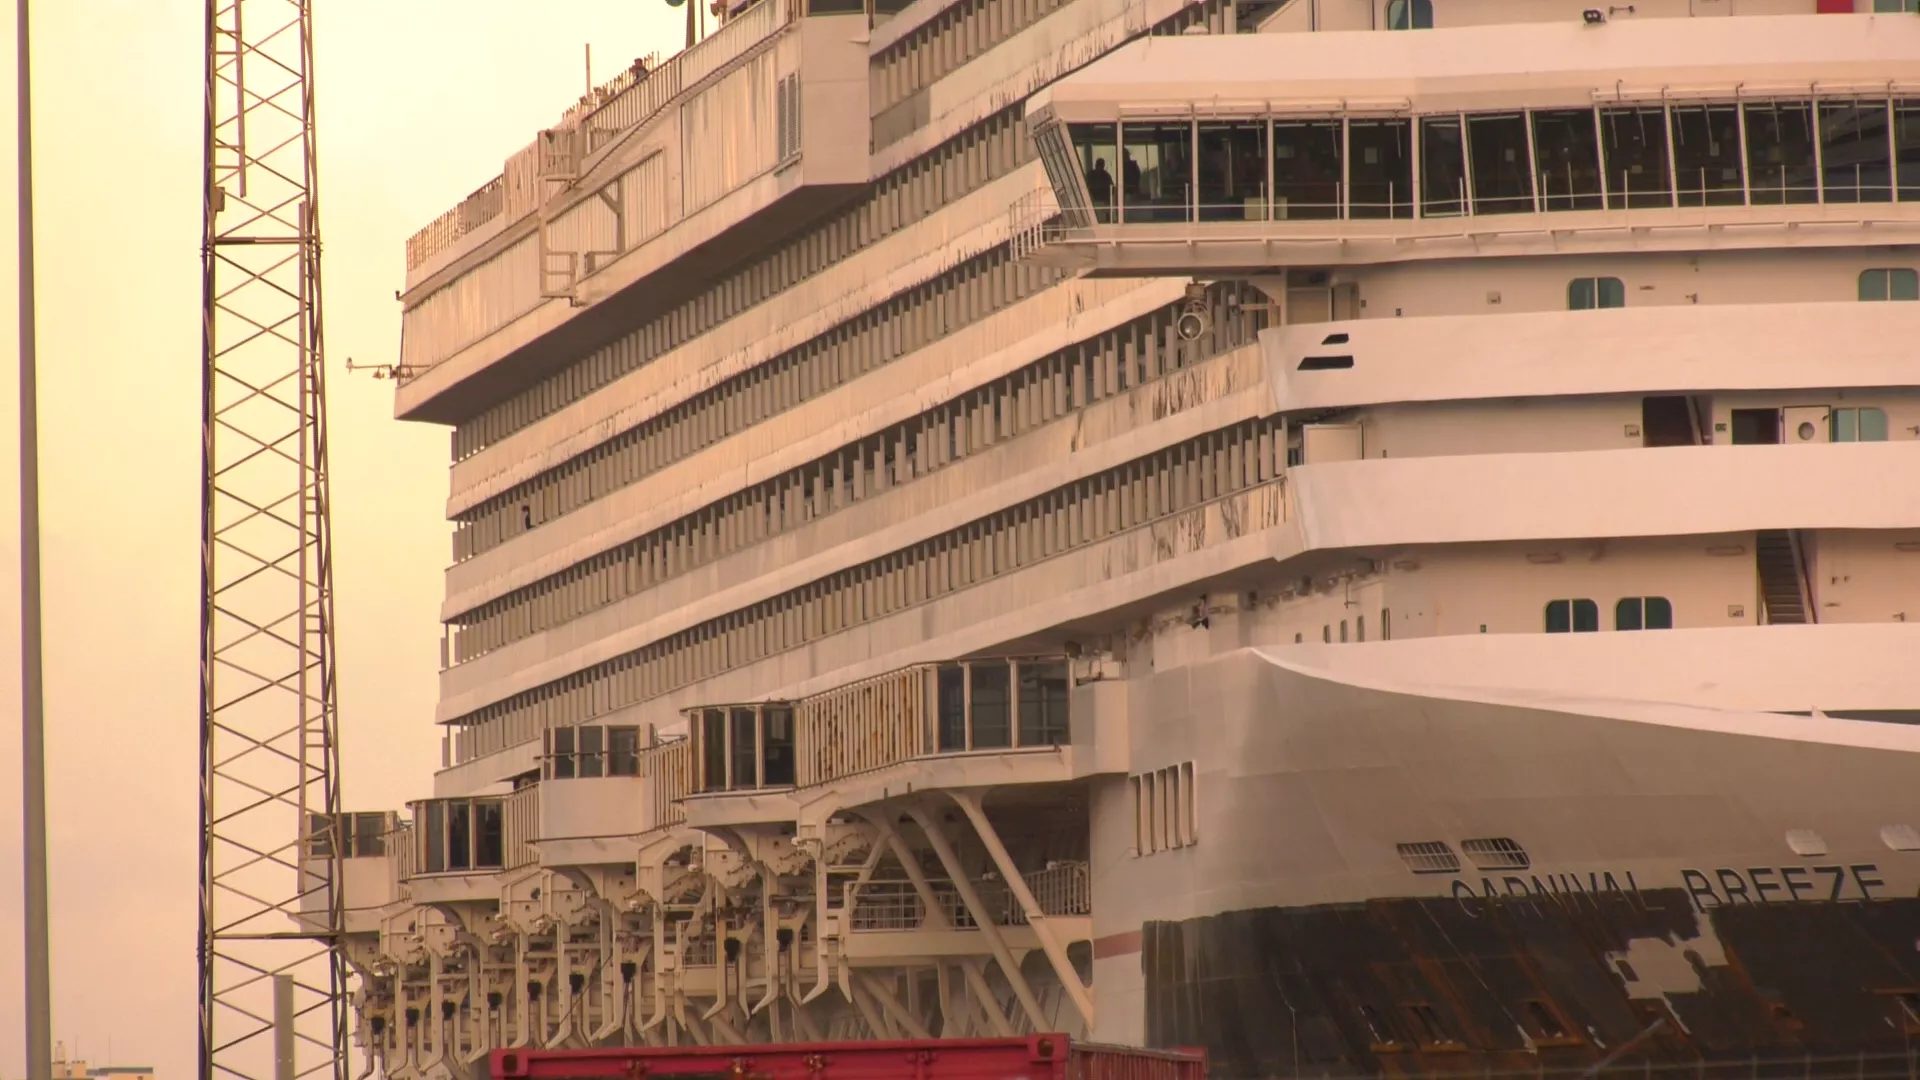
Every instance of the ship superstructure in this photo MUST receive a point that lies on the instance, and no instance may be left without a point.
(1367, 537)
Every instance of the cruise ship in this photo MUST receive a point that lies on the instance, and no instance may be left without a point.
(1375, 537)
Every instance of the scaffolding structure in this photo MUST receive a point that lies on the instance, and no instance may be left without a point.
(272, 976)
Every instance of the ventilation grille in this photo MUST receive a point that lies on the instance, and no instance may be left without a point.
(1429, 857)
(1496, 853)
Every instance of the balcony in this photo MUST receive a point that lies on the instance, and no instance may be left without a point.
(460, 844)
(603, 785)
(1572, 156)
(998, 721)
(366, 871)
(734, 144)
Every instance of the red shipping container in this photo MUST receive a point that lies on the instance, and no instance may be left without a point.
(1034, 1057)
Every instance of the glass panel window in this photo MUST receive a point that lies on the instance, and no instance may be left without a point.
(1643, 613)
(1572, 616)
(777, 745)
(1163, 156)
(991, 705)
(1443, 168)
(1897, 283)
(1233, 171)
(1780, 153)
(1502, 177)
(623, 751)
(952, 708)
(560, 761)
(1706, 155)
(369, 834)
(1043, 703)
(1306, 169)
(1409, 14)
(1858, 425)
(1098, 159)
(1586, 294)
(1856, 152)
(489, 835)
(436, 836)
(592, 762)
(1566, 150)
(1906, 148)
(1635, 141)
(460, 835)
(745, 750)
(713, 750)
(1380, 174)
(1895, 7)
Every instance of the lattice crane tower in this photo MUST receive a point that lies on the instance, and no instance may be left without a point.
(272, 977)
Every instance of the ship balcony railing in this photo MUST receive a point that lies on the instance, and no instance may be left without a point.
(475, 834)
(928, 710)
(602, 780)
(638, 94)
(1061, 889)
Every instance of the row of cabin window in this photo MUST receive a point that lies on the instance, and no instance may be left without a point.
(1062, 384)
(359, 835)
(1629, 613)
(1890, 283)
(587, 751)
(1165, 813)
(1085, 512)
(895, 328)
(1832, 150)
(948, 41)
(1418, 14)
(988, 150)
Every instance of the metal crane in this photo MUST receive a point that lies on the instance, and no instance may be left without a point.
(273, 978)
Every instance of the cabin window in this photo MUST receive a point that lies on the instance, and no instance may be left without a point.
(1443, 168)
(1856, 152)
(1858, 425)
(1897, 283)
(1588, 293)
(1706, 155)
(1635, 141)
(1643, 613)
(1566, 151)
(1306, 169)
(1572, 616)
(1379, 169)
(1410, 14)
(1497, 154)
(1780, 153)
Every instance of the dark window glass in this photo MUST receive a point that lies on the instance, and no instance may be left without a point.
(1502, 178)
(1626, 614)
(1162, 156)
(1586, 617)
(1636, 152)
(746, 750)
(952, 708)
(1898, 283)
(488, 835)
(1586, 294)
(1443, 168)
(1043, 704)
(992, 701)
(320, 837)
(592, 762)
(560, 762)
(713, 750)
(1233, 171)
(1566, 153)
(1559, 616)
(623, 751)
(1380, 176)
(1856, 154)
(436, 836)
(1756, 427)
(369, 835)
(1306, 169)
(1906, 148)
(1780, 153)
(1410, 14)
(1659, 613)
(1706, 155)
(460, 836)
(1666, 421)
(1098, 159)
(777, 745)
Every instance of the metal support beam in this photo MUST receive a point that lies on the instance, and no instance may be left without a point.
(969, 803)
(981, 916)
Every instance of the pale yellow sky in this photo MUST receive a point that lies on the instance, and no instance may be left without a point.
(419, 102)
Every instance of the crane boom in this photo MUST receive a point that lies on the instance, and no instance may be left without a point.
(272, 974)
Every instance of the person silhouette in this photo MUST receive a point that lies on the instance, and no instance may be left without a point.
(1100, 184)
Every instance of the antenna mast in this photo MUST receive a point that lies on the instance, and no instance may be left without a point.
(272, 975)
